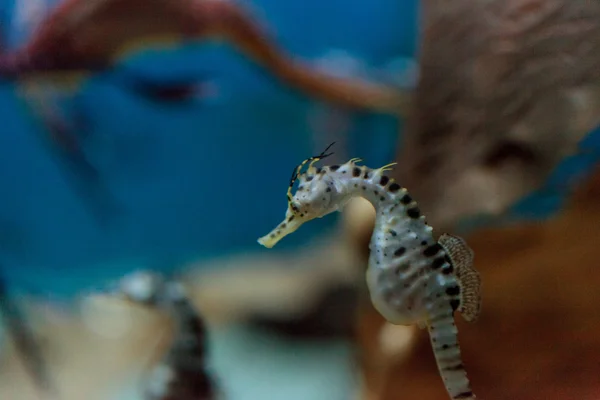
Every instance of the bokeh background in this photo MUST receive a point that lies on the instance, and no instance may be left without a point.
(186, 186)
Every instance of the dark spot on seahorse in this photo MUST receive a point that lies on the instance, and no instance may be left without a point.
(406, 199)
(456, 367)
(453, 291)
(291, 218)
(432, 250)
(319, 170)
(272, 235)
(400, 251)
(384, 180)
(438, 262)
(283, 225)
(393, 232)
(364, 188)
(355, 185)
(300, 187)
(394, 187)
(382, 198)
(424, 243)
(334, 167)
(366, 175)
(445, 347)
(328, 189)
(376, 192)
(448, 269)
(454, 304)
(356, 172)
(309, 178)
(406, 285)
(301, 215)
(414, 212)
(463, 395)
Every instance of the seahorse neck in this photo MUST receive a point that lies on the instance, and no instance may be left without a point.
(398, 220)
(379, 198)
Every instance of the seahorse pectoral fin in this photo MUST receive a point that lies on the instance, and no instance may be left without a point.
(282, 230)
(461, 256)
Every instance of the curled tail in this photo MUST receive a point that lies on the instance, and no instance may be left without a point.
(444, 340)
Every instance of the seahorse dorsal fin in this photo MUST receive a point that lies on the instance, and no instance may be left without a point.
(462, 256)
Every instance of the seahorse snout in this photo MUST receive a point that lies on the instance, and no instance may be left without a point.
(281, 231)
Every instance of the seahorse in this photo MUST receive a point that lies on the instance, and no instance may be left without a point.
(182, 374)
(412, 278)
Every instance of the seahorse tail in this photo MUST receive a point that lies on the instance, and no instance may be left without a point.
(444, 340)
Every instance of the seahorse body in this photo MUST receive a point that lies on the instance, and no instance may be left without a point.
(412, 278)
(182, 374)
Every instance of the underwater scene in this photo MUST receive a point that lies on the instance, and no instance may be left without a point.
(336, 200)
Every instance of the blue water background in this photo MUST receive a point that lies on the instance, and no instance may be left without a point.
(191, 181)
(206, 178)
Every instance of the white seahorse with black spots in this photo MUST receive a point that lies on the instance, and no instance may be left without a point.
(412, 278)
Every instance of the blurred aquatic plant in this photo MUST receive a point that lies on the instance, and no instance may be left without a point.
(508, 90)
(77, 39)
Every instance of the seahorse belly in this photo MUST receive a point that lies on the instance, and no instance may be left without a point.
(399, 304)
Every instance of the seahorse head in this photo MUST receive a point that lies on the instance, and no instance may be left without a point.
(317, 195)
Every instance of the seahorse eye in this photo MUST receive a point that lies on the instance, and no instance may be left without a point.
(295, 207)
